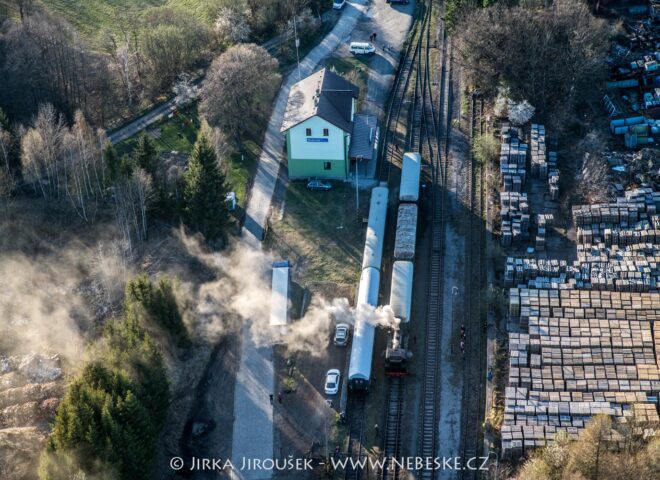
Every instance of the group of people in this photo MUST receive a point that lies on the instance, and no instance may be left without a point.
(463, 340)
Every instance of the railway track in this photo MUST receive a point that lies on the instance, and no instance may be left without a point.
(421, 136)
(427, 133)
(355, 417)
(473, 378)
(437, 132)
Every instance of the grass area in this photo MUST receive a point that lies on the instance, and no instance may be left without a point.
(90, 16)
(179, 133)
(354, 69)
(241, 168)
(321, 233)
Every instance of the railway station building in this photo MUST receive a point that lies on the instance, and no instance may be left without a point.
(325, 137)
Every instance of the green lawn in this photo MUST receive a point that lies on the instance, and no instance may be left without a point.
(180, 133)
(241, 168)
(170, 134)
(90, 16)
(321, 233)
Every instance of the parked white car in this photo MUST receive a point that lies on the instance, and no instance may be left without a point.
(341, 334)
(332, 381)
(338, 4)
(362, 48)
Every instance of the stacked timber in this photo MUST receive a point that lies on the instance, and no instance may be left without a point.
(406, 232)
(577, 354)
(513, 158)
(538, 151)
(632, 269)
(514, 210)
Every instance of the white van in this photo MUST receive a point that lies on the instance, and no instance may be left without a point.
(362, 48)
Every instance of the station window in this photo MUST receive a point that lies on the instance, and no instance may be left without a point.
(327, 165)
(308, 132)
(326, 132)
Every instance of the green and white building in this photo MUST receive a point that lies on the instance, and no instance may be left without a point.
(324, 134)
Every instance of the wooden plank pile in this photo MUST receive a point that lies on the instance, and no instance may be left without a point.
(514, 210)
(576, 354)
(538, 151)
(633, 268)
(406, 232)
(513, 158)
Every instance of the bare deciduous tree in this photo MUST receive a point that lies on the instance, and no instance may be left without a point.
(84, 166)
(239, 88)
(46, 61)
(41, 152)
(65, 163)
(231, 24)
(133, 196)
(550, 56)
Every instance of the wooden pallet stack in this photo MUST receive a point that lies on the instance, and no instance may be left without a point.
(576, 354)
(513, 159)
(634, 268)
(514, 210)
(539, 162)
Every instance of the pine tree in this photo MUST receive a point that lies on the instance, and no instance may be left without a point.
(145, 155)
(204, 193)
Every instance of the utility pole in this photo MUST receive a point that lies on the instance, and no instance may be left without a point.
(357, 192)
(295, 34)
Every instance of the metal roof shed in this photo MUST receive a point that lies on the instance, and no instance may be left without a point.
(279, 301)
(410, 173)
(401, 291)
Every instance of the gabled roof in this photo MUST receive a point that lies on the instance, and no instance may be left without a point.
(324, 94)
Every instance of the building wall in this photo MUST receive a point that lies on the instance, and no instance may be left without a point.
(316, 146)
(308, 156)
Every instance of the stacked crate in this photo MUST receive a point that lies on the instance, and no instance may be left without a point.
(543, 221)
(514, 210)
(513, 158)
(634, 268)
(577, 354)
(553, 184)
(538, 151)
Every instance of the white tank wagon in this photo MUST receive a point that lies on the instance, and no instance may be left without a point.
(406, 232)
(410, 173)
(397, 353)
(373, 245)
(362, 349)
(401, 291)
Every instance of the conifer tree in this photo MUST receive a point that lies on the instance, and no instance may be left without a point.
(204, 193)
(145, 155)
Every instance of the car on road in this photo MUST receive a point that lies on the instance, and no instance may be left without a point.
(318, 185)
(338, 4)
(362, 48)
(341, 334)
(332, 381)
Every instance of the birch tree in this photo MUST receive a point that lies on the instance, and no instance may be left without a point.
(133, 197)
(42, 150)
